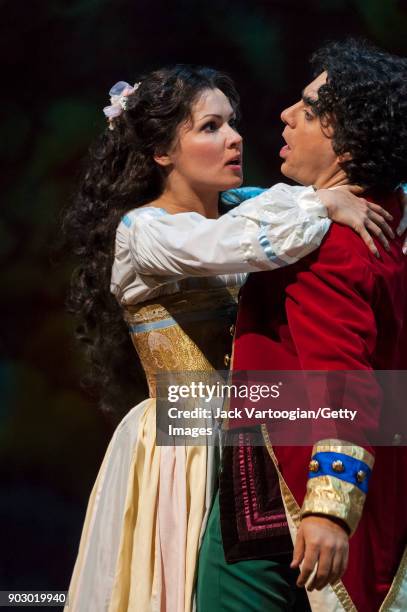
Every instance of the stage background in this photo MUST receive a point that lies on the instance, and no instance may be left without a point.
(61, 58)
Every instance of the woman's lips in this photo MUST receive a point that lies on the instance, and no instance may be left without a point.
(285, 150)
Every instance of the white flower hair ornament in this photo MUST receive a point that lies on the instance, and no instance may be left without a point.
(118, 100)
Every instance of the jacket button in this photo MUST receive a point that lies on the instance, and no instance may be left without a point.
(232, 329)
(226, 360)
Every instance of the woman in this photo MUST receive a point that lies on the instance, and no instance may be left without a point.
(174, 269)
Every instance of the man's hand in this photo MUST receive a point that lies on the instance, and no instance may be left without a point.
(320, 540)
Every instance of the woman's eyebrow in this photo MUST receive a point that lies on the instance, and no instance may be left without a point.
(232, 114)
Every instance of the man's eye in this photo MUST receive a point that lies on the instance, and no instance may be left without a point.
(211, 126)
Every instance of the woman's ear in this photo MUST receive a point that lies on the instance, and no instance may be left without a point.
(163, 160)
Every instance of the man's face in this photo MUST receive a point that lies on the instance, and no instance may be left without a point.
(309, 158)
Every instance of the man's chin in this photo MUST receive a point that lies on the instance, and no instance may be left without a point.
(288, 172)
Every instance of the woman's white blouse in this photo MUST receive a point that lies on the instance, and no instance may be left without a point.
(156, 250)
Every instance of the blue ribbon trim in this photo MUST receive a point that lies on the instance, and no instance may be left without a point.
(267, 248)
(234, 197)
(126, 220)
(150, 211)
(351, 468)
(185, 317)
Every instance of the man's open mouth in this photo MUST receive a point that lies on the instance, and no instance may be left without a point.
(235, 161)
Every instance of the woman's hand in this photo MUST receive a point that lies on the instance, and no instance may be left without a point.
(364, 217)
(403, 223)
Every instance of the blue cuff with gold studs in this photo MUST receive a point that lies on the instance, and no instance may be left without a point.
(342, 466)
(339, 474)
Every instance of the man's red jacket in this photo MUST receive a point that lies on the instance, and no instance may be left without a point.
(340, 308)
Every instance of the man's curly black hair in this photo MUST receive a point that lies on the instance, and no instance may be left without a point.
(365, 100)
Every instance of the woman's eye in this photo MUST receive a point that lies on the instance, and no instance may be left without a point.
(233, 123)
(308, 116)
(211, 126)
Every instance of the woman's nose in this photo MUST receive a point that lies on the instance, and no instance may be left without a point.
(234, 137)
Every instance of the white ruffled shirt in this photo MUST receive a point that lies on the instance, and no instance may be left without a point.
(156, 250)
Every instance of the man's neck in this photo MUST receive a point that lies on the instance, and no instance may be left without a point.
(328, 180)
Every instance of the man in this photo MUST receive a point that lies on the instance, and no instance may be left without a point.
(338, 309)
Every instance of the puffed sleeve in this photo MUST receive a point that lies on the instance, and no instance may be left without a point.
(273, 229)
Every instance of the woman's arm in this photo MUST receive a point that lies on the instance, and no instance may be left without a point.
(271, 230)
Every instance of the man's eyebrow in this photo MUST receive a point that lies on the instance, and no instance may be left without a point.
(307, 99)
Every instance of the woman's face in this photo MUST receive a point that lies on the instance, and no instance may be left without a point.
(208, 151)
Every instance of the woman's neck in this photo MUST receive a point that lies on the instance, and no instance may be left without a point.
(178, 198)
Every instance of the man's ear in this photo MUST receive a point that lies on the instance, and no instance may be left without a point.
(344, 157)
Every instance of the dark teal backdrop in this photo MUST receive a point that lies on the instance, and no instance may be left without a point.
(61, 58)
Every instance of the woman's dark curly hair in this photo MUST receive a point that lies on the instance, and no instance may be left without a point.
(365, 100)
(120, 175)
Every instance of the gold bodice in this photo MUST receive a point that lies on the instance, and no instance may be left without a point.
(191, 330)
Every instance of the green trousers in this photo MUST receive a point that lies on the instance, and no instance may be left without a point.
(265, 585)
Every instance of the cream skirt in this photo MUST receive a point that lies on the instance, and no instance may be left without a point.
(144, 523)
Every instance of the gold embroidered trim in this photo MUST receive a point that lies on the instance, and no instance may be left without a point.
(294, 510)
(395, 589)
(187, 345)
(167, 306)
(334, 497)
(344, 597)
(346, 448)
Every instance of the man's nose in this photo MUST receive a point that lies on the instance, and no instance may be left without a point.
(288, 115)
